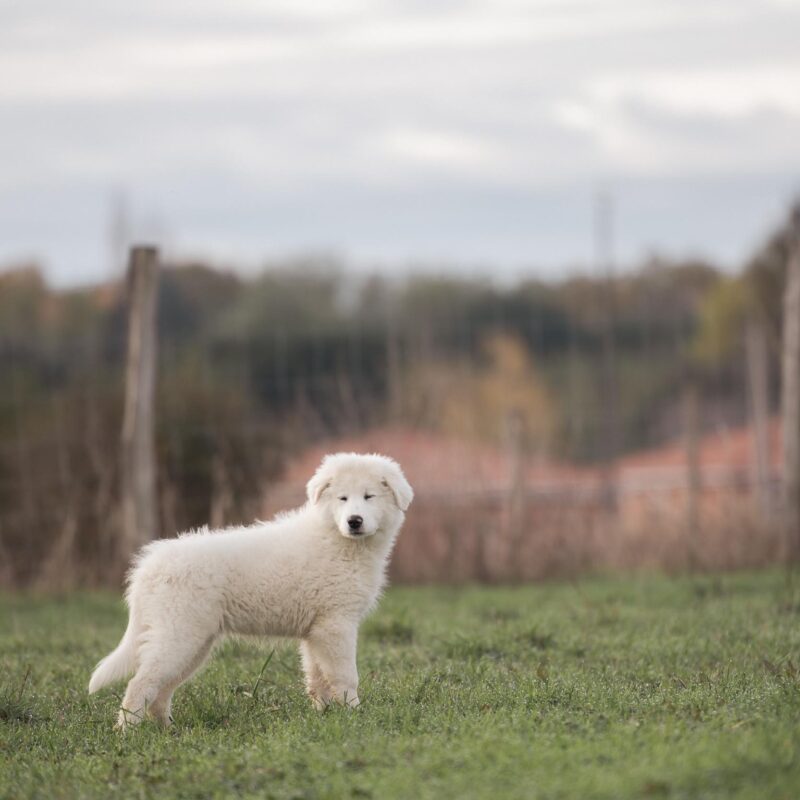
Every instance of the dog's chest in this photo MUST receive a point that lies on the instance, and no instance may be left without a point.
(277, 606)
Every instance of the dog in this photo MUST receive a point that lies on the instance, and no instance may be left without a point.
(312, 574)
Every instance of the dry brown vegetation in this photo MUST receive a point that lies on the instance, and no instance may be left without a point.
(539, 391)
(467, 524)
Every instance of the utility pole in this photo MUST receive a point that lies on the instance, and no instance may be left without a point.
(118, 234)
(604, 264)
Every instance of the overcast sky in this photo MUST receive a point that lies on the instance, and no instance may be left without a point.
(395, 133)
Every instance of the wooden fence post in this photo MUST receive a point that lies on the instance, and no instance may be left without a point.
(790, 395)
(694, 481)
(139, 491)
(516, 502)
(757, 358)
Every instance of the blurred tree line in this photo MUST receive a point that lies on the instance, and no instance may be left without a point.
(253, 369)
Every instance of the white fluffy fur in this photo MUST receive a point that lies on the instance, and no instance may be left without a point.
(304, 575)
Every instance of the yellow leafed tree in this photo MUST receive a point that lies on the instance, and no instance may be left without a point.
(481, 400)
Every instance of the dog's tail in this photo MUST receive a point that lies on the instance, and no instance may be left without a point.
(119, 663)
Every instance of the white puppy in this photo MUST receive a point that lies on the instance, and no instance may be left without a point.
(312, 573)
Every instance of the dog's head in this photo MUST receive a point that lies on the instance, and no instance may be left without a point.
(365, 493)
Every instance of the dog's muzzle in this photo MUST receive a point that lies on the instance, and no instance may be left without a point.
(354, 523)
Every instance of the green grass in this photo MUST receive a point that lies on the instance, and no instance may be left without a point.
(610, 688)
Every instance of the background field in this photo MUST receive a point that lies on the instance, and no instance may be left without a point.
(607, 688)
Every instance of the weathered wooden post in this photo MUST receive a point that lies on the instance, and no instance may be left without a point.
(516, 505)
(790, 395)
(691, 428)
(139, 492)
(757, 358)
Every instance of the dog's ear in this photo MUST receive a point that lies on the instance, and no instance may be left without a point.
(319, 482)
(396, 483)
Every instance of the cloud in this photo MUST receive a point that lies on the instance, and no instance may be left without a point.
(701, 120)
(729, 92)
(295, 103)
(440, 149)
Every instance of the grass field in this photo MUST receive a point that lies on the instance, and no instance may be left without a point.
(607, 688)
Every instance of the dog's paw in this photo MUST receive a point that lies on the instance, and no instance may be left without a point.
(351, 702)
(319, 704)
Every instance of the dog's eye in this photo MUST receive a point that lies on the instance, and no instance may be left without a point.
(343, 499)
(368, 496)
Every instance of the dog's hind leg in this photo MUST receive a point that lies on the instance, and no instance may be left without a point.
(162, 707)
(139, 697)
(164, 667)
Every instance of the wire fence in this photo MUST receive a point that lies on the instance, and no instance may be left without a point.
(544, 434)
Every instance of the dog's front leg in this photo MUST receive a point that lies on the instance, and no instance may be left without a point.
(332, 648)
(317, 687)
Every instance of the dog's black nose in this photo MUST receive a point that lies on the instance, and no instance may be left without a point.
(355, 522)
